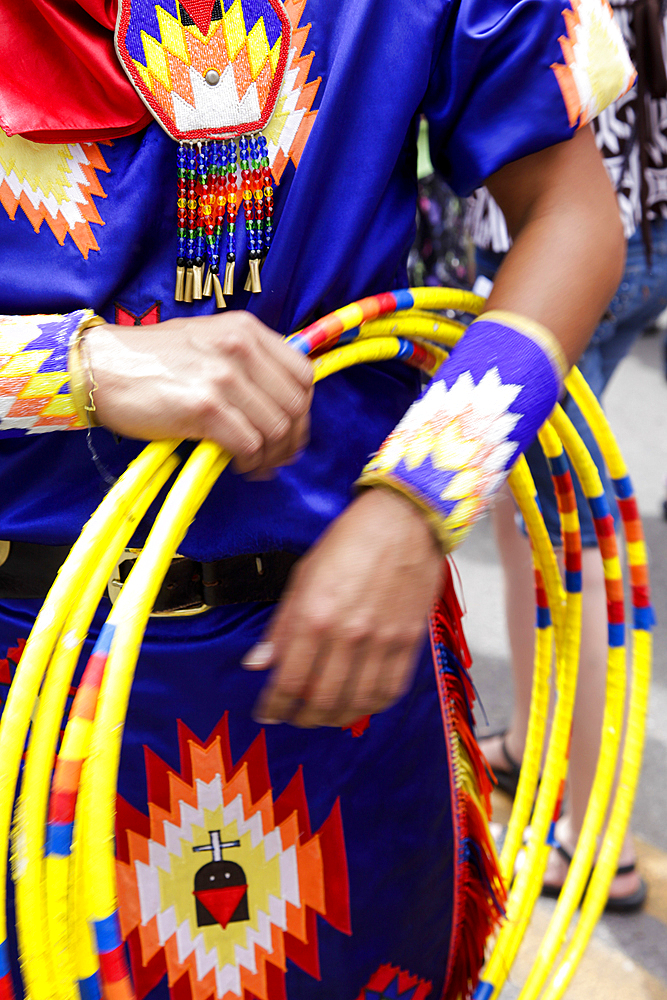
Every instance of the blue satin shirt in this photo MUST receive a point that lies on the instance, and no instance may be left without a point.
(493, 79)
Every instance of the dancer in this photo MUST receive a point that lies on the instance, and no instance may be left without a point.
(355, 870)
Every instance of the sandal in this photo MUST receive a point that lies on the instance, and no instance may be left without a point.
(507, 778)
(629, 903)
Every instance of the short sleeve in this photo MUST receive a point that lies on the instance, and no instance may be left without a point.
(514, 78)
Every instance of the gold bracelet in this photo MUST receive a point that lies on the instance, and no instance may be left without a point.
(81, 378)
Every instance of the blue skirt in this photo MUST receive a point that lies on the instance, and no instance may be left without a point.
(275, 862)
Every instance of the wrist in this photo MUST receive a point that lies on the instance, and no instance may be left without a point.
(455, 446)
(412, 507)
(81, 376)
(403, 513)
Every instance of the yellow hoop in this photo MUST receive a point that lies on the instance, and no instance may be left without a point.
(91, 866)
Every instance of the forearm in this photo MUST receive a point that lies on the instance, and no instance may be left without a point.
(455, 446)
(568, 253)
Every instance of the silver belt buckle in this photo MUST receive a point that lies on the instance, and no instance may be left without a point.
(115, 585)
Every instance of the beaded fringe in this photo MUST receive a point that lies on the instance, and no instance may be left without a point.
(479, 893)
(207, 206)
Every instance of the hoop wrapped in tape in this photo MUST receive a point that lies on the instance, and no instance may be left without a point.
(455, 446)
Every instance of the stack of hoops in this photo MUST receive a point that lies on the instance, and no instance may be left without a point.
(63, 838)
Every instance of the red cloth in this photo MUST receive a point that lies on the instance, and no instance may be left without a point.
(60, 79)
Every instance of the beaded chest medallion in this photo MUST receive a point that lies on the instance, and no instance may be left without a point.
(211, 72)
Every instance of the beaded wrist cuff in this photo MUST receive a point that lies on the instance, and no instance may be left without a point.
(35, 391)
(454, 447)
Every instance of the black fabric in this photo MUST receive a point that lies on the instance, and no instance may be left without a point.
(29, 572)
(30, 569)
(649, 57)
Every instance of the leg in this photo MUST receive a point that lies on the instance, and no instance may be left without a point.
(514, 550)
(519, 586)
(587, 728)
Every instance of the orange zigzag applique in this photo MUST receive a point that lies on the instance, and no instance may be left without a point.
(53, 183)
(597, 69)
(290, 873)
(295, 81)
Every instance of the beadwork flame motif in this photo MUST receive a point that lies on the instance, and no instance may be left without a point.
(458, 439)
(213, 72)
(206, 68)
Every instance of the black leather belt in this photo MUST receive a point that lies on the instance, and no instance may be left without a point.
(189, 586)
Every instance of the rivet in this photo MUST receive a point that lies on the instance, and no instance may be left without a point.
(212, 77)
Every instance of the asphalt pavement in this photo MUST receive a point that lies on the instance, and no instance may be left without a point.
(627, 957)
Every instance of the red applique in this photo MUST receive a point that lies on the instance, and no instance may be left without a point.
(219, 884)
(125, 317)
(9, 665)
(359, 727)
(200, 11)
(392, 983)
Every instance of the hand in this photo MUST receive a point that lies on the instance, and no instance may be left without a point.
(227, 379)
(345, 640)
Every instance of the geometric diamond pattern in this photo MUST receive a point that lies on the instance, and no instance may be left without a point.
(293, 876)
(34, 381)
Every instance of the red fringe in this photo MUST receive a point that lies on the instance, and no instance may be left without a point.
(479, 893)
